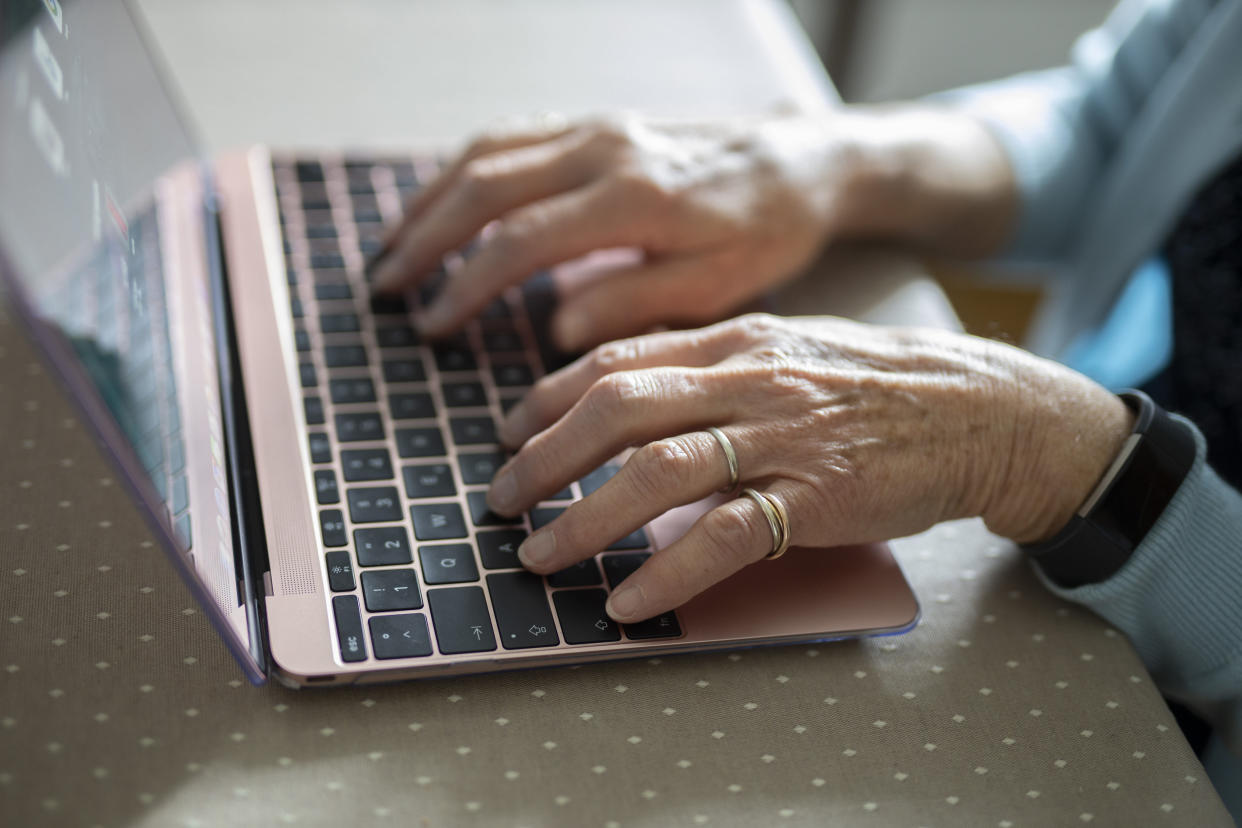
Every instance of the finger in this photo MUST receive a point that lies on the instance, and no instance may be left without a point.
(660, 476)
(719, 543)
(530, 238)
(486, 189)
(681, 289)
(556, 393)
(622, 409)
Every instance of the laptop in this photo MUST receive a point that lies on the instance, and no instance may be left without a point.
(315, 471)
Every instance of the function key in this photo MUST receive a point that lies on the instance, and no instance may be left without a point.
(314, 410)
(344, 356)
(325, 487)
(512, 375)
(391, 589)
(438, 521)
(382, 546)
(332, 527)
(365, 425)
(451, 563)
(351, 390)
(366, 464)
(308, 171)
(479, 468)
(374, 505)
(469, 431)
(482, 515)
(582, 616)
(463, 394)
(583, 573)
(435, 480)
(340, 571)
(420, 442)
(499, 549)
(348, 628)
(338, 323)
(462, 622)
(415, 405)
(402, 336)
(320, 447)
(400, 636)
(522, 611)
(404, 370)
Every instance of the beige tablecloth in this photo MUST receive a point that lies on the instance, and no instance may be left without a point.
(119, 706)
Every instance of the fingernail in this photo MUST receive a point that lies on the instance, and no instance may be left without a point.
(502, 496)
(626, 602)
(570, 330)
(537, 549)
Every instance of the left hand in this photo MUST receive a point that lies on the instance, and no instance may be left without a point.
(863, 433)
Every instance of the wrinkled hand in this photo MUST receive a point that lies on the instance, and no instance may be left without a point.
(720, 213)
(863, 433)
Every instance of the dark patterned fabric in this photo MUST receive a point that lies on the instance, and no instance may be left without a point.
(1204, 378)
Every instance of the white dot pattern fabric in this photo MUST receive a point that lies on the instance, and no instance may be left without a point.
(120, 707)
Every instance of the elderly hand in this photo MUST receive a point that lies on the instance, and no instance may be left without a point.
(863, 433)
(721, 212)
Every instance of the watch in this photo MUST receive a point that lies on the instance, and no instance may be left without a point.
(1109, 526)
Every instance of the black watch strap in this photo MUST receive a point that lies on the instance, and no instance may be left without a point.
(1128, 501)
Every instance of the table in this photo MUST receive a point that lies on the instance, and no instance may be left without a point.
(119, 706)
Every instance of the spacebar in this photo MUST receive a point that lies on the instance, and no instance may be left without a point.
(522, 612)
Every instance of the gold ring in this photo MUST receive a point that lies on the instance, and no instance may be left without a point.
(730, 457)
(778, 521)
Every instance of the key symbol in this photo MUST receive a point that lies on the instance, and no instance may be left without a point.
(478, 633)
(438, 520)
(448, 563)
(601, 625)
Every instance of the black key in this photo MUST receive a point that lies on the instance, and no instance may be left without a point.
(301, 340)
(438, 521)
(454, 357)
(329, 291)
(583, 573)
(420, 442)
(316, 201)
(332, 527)
(366, 464)
(388, 303)
(295, 308)
(318, 260)
(435, 480)
(512, 375)
(314, 410)
(365, 425)
(307, 372)
(396, 337)
(325, 487)
(463, 394)
(338, 323)
(582, 615)
(662, 626)
(351, 390)
(373, 505)
(540, 518)
(180, 495)
(369, 247)
(320, 447)
(462, 622)
(619, 567)
(348, 628)
(522, 611)
(634, 540)
(330, 276)
(309, 171)
(416, 405)
(340, 571)
(470, 431)
(391, 589)
(176, 450)
(451, 563)
(507, 403)
(400, 636)
(321, 231)
(563, 494)
(499, 549)
(479, 468)
(344, 356)
(291, 275)
(502, 341)
(359, 186)
(404, 370)
(482, 515)
(382, 546)
(366, 214)
(591, 482)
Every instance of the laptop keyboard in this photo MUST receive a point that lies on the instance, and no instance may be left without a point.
(402, 438)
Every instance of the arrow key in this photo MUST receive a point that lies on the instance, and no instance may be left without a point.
(583, 620)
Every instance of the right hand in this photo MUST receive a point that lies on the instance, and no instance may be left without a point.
(720, 212)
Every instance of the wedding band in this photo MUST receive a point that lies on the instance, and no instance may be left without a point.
(730, 456)
(778, 521)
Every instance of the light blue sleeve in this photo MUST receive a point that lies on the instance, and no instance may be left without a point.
(1179, 598)
(1063, 127)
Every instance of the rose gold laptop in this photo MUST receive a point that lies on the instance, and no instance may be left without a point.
(316, 471)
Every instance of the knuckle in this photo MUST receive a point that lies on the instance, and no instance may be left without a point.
(613, 356)
(660, 464)
(730, 532)
(613, 393)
